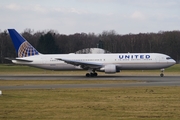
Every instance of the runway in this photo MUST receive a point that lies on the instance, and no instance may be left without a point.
(142, 81)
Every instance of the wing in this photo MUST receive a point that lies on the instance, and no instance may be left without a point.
(82, 64)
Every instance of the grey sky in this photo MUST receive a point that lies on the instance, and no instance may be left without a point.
(72, 16)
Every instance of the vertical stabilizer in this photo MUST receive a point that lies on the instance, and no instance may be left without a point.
(22, 46)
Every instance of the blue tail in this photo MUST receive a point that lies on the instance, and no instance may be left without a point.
(23, 47)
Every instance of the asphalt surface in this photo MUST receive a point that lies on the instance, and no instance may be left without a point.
(142, 81)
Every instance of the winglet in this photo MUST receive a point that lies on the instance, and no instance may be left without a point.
(22, 46)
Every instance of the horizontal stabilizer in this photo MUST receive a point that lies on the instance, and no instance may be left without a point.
(20, 60)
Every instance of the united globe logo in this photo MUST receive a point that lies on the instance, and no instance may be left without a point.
(26, 50)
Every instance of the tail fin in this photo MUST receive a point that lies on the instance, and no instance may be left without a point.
(22, 46)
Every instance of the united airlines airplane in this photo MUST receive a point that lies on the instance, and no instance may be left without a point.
(108, 63)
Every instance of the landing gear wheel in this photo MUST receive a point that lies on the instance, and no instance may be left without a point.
(91, 74)
(95, 74)
(87, 75)
(162, 75)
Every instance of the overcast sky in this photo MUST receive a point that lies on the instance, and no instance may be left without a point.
(76, 16)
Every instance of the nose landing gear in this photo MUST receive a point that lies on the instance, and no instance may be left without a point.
(162, 73)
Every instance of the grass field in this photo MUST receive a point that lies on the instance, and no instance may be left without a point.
(137, 103)
(150, 103)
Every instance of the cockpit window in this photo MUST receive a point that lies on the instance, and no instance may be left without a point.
(168, 58)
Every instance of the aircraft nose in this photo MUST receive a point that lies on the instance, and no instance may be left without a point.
(172, 61)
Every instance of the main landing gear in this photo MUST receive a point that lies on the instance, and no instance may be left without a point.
(94, 74)
(91, 73)
(162, 73)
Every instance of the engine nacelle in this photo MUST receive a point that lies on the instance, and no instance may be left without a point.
(109, 69)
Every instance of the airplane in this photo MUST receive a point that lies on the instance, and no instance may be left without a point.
(109, 63)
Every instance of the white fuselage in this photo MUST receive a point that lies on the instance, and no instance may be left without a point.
(124, 61)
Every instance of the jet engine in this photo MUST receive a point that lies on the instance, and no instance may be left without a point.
(110, 69)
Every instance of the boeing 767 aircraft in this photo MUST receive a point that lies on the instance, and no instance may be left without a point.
(108, 63)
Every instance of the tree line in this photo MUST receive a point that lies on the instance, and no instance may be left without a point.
(52, 42)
